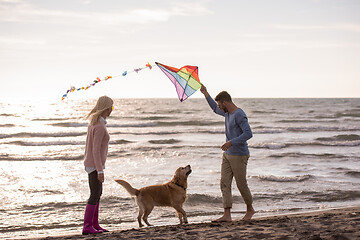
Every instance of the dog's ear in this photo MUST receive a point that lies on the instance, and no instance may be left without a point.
(176, 177)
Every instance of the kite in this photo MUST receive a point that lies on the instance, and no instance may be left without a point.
(97, 80)
(185, 79)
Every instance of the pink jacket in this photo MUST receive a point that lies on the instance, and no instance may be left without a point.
(96, 149)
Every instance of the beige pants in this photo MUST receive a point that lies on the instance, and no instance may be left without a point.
(234, 166)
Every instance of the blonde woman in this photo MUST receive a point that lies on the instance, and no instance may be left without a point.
(96, 149)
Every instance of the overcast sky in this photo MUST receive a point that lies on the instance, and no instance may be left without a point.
(257, 48)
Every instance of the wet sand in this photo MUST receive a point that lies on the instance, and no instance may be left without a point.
(341, 224)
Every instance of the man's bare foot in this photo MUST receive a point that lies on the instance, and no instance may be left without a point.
(223, 219)
(249, 214)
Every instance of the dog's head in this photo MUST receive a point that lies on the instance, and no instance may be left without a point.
(183, 171)
(181, 175)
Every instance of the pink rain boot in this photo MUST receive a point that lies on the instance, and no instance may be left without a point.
(96, 219)
(88, 220)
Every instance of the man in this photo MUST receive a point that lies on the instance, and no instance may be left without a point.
(236, 152)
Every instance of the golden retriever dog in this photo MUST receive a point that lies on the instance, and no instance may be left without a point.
(170, 194)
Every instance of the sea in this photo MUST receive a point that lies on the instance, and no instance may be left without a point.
(305, 156)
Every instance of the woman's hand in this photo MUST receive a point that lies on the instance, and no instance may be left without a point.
(101, 177)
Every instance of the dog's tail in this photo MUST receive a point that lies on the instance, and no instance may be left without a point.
(128, 187)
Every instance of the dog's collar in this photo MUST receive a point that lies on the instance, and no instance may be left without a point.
(179, 185)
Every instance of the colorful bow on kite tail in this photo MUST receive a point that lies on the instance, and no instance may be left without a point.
(97, 80)
(185, 79)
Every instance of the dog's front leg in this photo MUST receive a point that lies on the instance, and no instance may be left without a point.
(180, 216)
(182, 213)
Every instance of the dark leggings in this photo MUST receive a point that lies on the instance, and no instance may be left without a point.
(95, 188)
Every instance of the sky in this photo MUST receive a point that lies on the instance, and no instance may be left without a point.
(252, 49)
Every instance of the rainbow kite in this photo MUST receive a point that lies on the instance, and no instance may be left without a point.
(185, 79)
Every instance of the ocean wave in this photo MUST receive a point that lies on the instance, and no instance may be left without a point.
(132, 125)
(120, 141)
(261, 196)
(334, 144)
(106, 201)
(334, 195)
(50, 119)
(164, 141)
(262, 127)
(42, 134)
(146, 149)
(60, 143)
(322, 129)
(345, 137)
(205, 131)
(267, 131)
(31, 228)
(299, 154)
(147, 124)
(47, 143)
(199, 199)
(272, 178)
(50, 205)
(269, 145)
(7, 125)
(8, 115)
(155, 118)
(193, 199)
(353, 174)
(69, 124)
(109, 125)
(278, 145)
(189, 123)
(172, 132)
(6, 157)
(355, 113)
(352, 113)
(110, 200)
(120, 203)
(149, 133)
(43, 191)
(300, 129)
(295, 121)
(314, 196)
(265, 112)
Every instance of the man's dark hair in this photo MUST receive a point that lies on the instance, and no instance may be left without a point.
(223, 96)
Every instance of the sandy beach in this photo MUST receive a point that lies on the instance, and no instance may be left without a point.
(328, 224)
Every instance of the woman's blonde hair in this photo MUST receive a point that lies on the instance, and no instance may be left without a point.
(102, 104)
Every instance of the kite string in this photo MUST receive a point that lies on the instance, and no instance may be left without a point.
(97, 80)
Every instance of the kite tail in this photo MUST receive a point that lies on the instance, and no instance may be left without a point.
(97, 80)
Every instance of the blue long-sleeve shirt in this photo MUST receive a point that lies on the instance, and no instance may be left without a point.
(237, 129)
